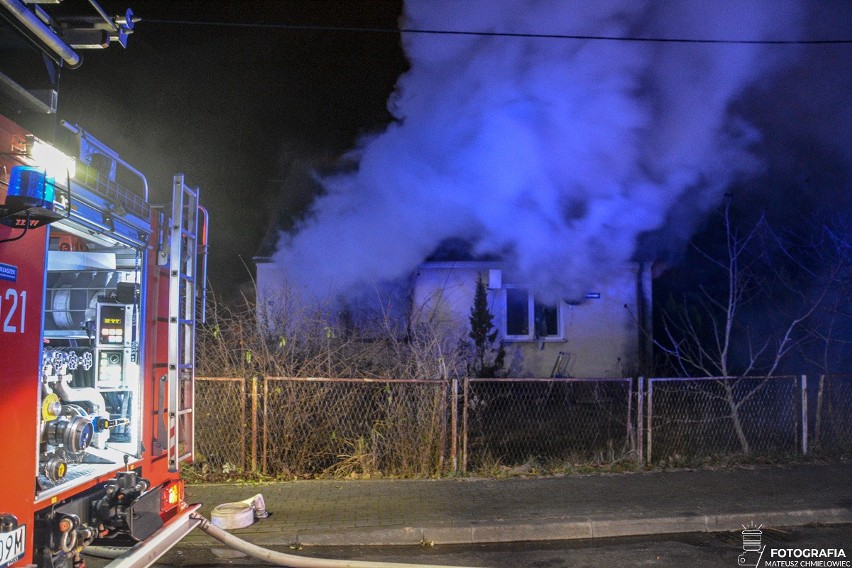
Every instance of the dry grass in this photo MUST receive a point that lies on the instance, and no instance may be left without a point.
(333, 428)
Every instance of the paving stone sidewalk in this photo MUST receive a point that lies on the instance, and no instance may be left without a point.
(447, 511)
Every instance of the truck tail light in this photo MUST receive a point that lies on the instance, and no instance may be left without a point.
(172, 495)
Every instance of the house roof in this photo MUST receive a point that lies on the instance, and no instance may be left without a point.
(458, 249)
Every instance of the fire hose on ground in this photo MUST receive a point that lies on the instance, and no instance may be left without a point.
(243, 513)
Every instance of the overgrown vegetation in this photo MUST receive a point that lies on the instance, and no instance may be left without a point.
(288, 338)
(339, 428)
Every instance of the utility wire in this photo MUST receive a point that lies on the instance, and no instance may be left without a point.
(376, 30)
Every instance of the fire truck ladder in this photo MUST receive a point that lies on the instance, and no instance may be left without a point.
(184, 249)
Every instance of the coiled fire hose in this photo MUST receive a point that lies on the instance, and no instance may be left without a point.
(239, 514)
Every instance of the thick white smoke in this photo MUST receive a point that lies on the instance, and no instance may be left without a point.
(554, 154)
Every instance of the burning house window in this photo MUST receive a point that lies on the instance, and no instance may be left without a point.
(528, 319)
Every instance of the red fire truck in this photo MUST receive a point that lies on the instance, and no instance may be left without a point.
(98, 301)
(99, 291)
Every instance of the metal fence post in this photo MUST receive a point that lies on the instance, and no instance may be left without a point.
(818, 413)
(443, 441)
(242, 424)
(640, 425)
(265, 443)
(630, 433)
(466, 389)
(650, 418)
(454, 400)
(254, 424)
(804, 383)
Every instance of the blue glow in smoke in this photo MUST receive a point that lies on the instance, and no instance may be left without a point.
(554, 154)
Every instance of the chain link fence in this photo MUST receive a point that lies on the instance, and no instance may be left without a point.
(221, 428)
(319, 427)
(342, 427)
(832, 430)
(709, 417)
(546, 423)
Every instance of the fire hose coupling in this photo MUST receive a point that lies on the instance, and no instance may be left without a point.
(259, 506)
(54, 468)
(51, 407)
(74, 433)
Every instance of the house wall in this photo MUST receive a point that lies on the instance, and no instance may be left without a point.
(443, 292)
(602, 335)
(269, 278)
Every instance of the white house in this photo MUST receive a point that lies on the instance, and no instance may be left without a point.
(605, 335)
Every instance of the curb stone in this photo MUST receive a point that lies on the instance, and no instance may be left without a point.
(481, 533)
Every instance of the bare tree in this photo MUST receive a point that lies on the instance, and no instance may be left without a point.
(710, 334)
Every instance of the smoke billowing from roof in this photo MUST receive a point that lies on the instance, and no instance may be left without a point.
(555, 154)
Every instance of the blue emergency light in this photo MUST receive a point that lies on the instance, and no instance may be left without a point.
(30, 187)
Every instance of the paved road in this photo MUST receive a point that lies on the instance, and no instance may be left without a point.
(695, 550)
(587, 509)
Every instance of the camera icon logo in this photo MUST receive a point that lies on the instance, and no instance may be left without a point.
(752, 546)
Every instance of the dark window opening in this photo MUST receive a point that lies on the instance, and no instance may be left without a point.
(546, 320)
(517, 311)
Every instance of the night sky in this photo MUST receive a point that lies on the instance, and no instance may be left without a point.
(242, 111)
(598, 145)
